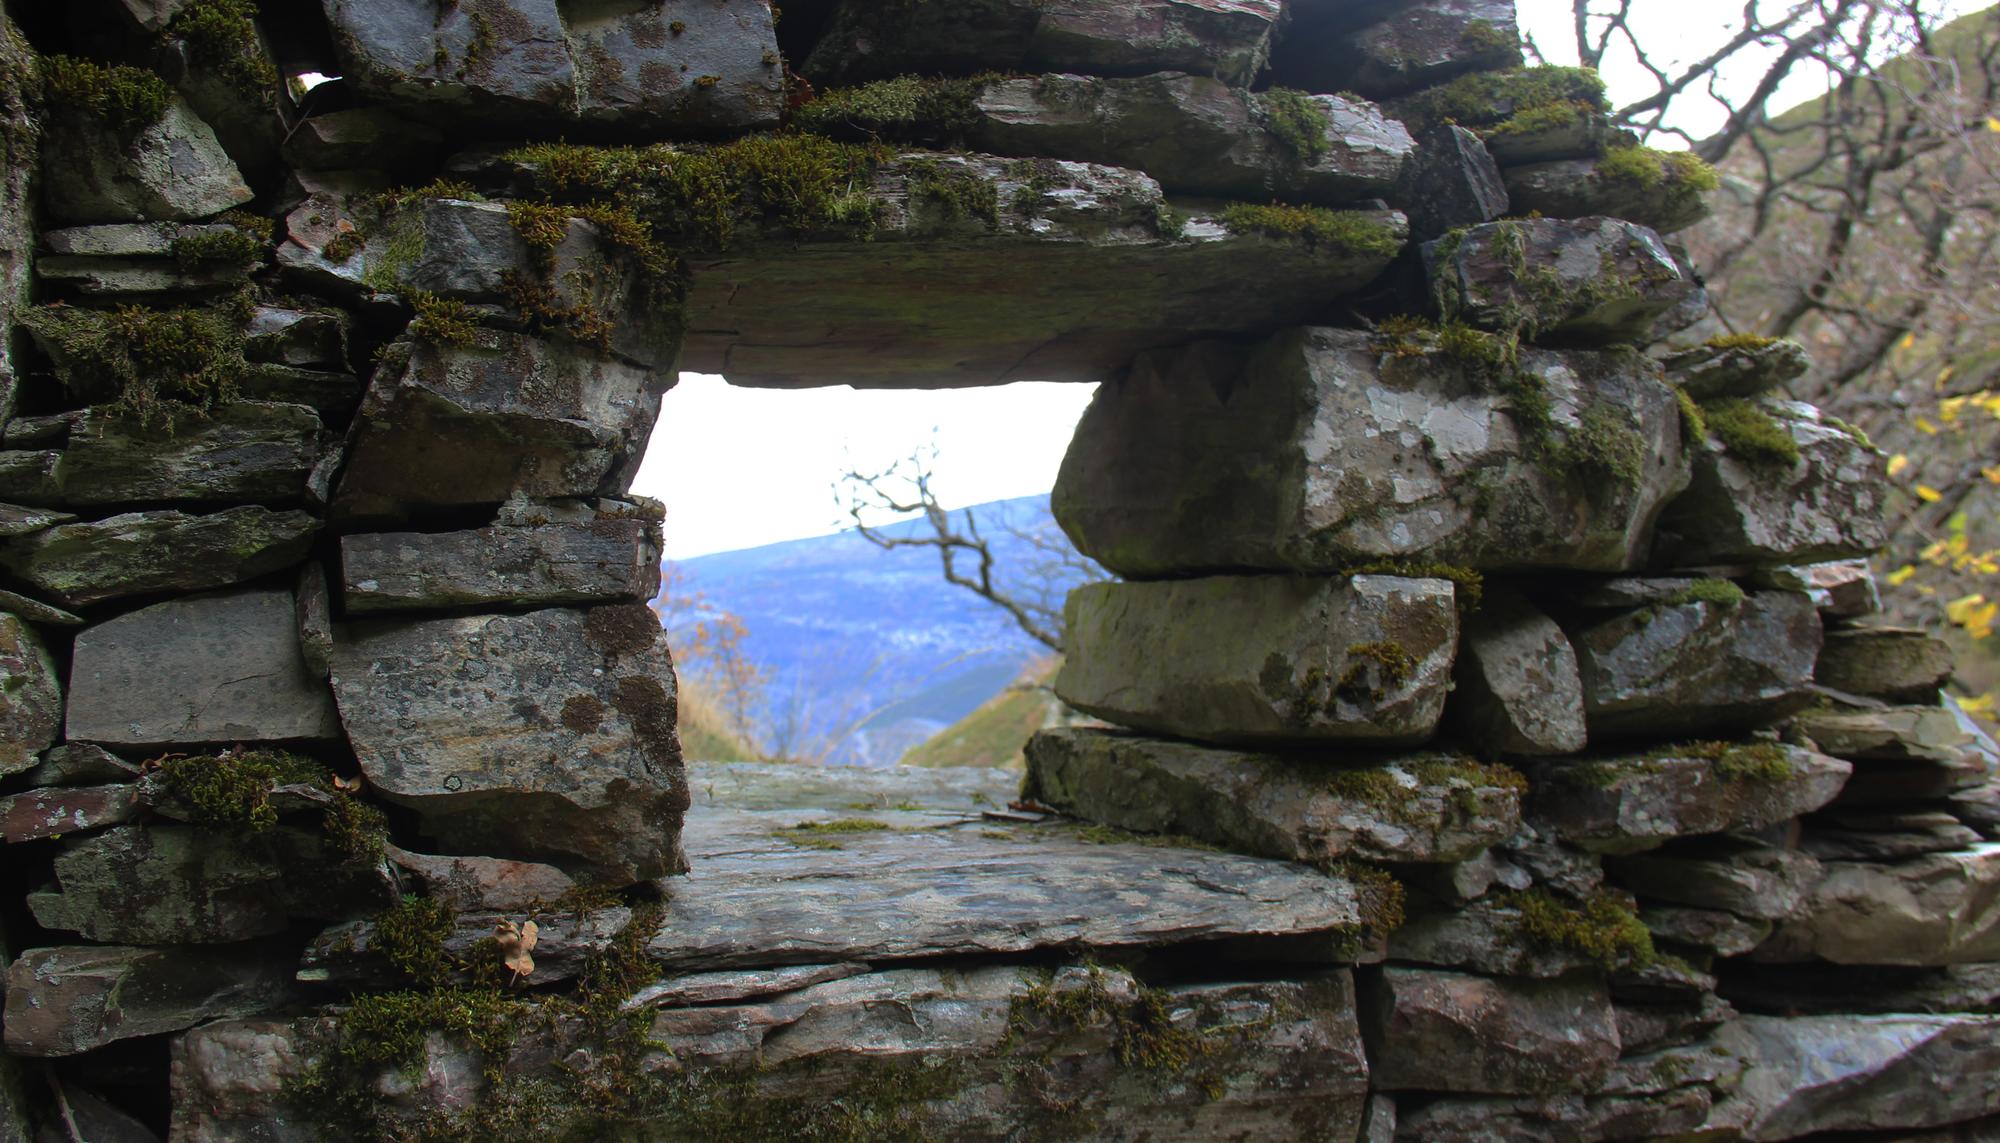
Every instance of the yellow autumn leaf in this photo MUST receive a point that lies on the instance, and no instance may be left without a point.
(1964, 607)
(1928, 495)
(1926, 426)
(1992, 123)
(1898, 463)
(1901, 575)
(1909, 339)
(1978, 704)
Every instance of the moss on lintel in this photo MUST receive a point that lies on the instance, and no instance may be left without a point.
(1343, 232)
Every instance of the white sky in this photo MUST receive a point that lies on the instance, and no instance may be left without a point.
(738, 468)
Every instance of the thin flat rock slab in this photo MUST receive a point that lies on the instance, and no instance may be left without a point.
(144, 553)
(546, 736)
(204, 669)
(1073, 271)
(1758, 882)
(601, 561)
(72, 998)
(1940, 909)
(980, 1054)
(1894, 664)
(1319, 449)
(1516, 689)
(1432, 1030)
(1697, 667)
(350, 954)
(1591, 281)
(1312, 807)
(1384, 49)
(241, 451)
(873, 39)
(1264, 659)
(731, 985)
(1813, 1074)
(60, 810)
(1630, 804)
(887, 894)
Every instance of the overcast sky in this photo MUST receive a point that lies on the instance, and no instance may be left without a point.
(738, 468)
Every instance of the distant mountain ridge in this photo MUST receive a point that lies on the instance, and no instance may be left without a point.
(870, 651)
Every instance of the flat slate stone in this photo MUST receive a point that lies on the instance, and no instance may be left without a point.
(1830, 504)
(1077, 270)
(711, 67)
(870, 39)
(172, 169)
(1737, 369)
(168, 885)
(490, 884)
(1692, 668)
(1830, 989)
(1431, 1030)
(1320, 448)
(1894, 664)
(1580, 188)
(1516, 688)
(1538, 1119)
(605, 560)
(80, 764)
(72, 998)
(1264, 659)
(1485, 937)
(59, 810)
(302, 338)
(212, 669)
(1935, 910)
(992, 1063)
(546, 736)
(756, 896)
(242, 451)
(1626, 805)
(1758, 882)
(1312, 807)
(735, 985)
(31, 696)
(504, 416)
(1610, 279)
(347, 955)
(142, 553)
(1410, 44)
(1813, 1074)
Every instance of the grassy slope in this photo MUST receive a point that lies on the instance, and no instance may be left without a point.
(705, 733)
(995, 734)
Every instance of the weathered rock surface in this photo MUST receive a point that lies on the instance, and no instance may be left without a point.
(1721, 933)
(1076, 270)
(1452, 182)
(1485, 937)
(483, 884)
(1438, 808)
(1815, 989)
(1894, 734)
(866, 40)
(57, 810)
(165, 885)
(362, 138)
(1625, 805)
(763, 891)
(1661, 199)
(16, 520)
(1811, 1074)
(1841, 589)
(1696, 667)
(1413, 45)
(547, 736)
(1590, 281)
(70, 999)
(1252, 659)
(1429, 1030)
(477, 424)
(1196, 135)
(172, 170)
(1558, 1119)
(133, 258)
(31, 696)
(80, 764)
(739, 984)
(1935, 910)
(1318, 451)
(1757, 882)
(710, 67)
(1828, 504)
(221, 669)
(990, 1060)
(1729, 368)
(607, 559)
(1516, 688)
(1891, 835)
(299, 338)
(1894, 664)
(243, 451)
(139, 553)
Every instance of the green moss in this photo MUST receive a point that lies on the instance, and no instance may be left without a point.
(443, 321)
(1750, 434)
(1694, 423)
(1486, 37)
(233, 791)
(959, 195)
(908, 109)
(1374, 670)
(1744, 341)
(1718, 592)
(1854, 431)
(1680, 178)
(229, 248)
(411, 935)
(125, 99)
(1099, 834)
(1470, 585)
(1298, 122)
(163, 361)
(1738, 761)
(1342, 232)
(1604, 931)
(359, 832)
(1601, 444)
(222, 38)
(1514, 102)
(343, 247)
(1381, 896)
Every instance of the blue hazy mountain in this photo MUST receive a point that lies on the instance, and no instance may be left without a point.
(870, 651)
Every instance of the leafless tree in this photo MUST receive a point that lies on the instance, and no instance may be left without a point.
(1031, 591)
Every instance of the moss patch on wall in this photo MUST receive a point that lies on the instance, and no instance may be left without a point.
(1604, 930)
(221, 36)
(1316, 228)
(162, 361)
(1520, 101)
(123, 98)
(1750, 434)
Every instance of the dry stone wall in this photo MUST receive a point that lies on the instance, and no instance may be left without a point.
(1496, 742)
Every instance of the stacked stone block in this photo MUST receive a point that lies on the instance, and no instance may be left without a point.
(1505, 751)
